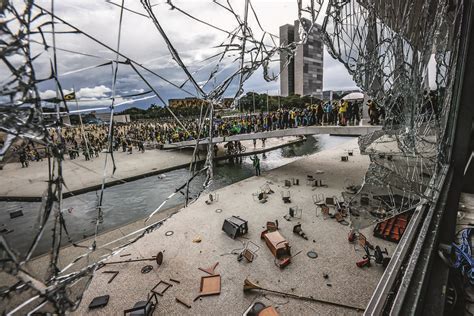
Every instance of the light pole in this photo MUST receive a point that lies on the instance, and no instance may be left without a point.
(267, 102)
(253, 97)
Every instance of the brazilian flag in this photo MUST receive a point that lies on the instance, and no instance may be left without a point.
(70, 96)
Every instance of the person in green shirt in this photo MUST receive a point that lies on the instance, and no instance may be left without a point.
(256, 164)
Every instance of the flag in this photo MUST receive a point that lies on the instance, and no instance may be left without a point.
(70, 96)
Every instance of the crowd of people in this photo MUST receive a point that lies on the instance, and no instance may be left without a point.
(92, 139)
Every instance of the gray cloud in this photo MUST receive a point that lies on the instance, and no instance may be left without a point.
(141, 41)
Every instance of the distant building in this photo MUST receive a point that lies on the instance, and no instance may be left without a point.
(190, 102)
(304, 73)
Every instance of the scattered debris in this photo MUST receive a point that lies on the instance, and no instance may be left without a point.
(212, 198)
(248, 253)
(16, 214)
(393, 228)
(235, 227)
(249, 286)
(115, 273)
(268, 311)
(219, 210)
(295, 212)
(210, 285)
(158, 259)
(6, 231)
(312, 254)
(175, 281)
(344, 158)
(147, 269)
(285, 196)
(197, 239)
(126, 255)
(377, 256)
(210, 270)
(295, 181)
(272, 226)
(143, 307)
(260, 197)
(161, 287)
(266, 189)
(254, 309)
(182, 302)
(99, 301)
(299, 231)
(279, 247)
(169, 233)
(326, 276)
(287, 184)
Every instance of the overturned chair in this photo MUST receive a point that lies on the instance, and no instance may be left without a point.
(144, 308)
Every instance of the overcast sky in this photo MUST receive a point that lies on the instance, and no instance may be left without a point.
(142, 42)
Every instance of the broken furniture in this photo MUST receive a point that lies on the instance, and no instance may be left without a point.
(182, 302)
(254, 309)
(299, 231)
(210, 270)
(144, 308)
(158, 259)
(272, 226)
(210, 285)
(260, 196)
(235, 227)
(16, 214)
(249, 252)
(285, 196)
(279, 247)
(212, 198)
(295, 212)
(161, 287)
(115, 273)
(99, 301)
(268, 311)
(250, 286)
(265, 188)
(393, 228)
(377, 256)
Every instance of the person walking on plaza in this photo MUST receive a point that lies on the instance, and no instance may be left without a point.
(256, 164)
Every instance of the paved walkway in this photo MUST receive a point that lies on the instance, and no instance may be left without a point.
(346, 284)
(83, 176)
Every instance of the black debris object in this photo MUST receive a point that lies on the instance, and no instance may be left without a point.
(16, 214)
(147, 269)
(235, 227)
(99, 301)
(143, 307)
(299, 231)
(115, 273)
(312, 254)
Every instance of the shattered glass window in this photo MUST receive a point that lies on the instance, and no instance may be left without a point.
(388, 55)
